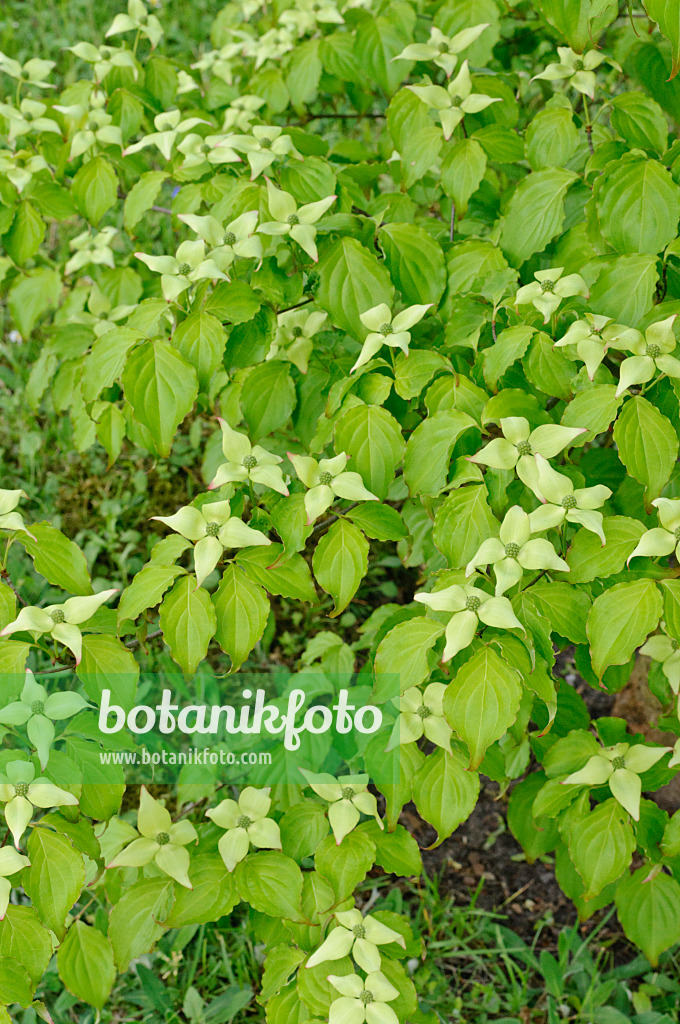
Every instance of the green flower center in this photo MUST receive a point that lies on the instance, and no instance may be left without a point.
(443, 47)
(674, 643)
(676, 533)
(456, 101)
(229, 238)
(28, 116)
(569, 502)
(524, 448)
(297, 332)
(472, 604)
(617, 763)
(183, 268)
(366, 997)
(162, 838)
(249, 461)
(347, 792)
(325, 479)
(266, 142)
(293, 220)
(21, 789)
(37, 707)
(359, 932)
(57, 615)
(653, 351)
(212, 529)
(386, 329)
(579, 65)
(244, 821)
(423, 711)
(512, 550)
(547, 286)
(92, 126)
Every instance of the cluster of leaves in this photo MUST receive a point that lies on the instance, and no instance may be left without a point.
(428, 284)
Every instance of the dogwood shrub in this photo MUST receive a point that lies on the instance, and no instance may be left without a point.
(406, 277)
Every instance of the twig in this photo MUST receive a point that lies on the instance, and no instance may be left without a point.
(6, 577)
(331, 519)
(162, 209)
(305, 302)
(341, 117)
(131, 645)
(452, 226)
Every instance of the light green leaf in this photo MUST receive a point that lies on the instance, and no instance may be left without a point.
(107, 665)
(428, 450)
(271, 883)
(401, 660)
(85, 962)
(445, 792)
(346, 865)
(201, 339)
(267, 398)
(601, 847)
(340, 562)
(141, 198)
(136, 920)
(647, 444)
(351, 280)
(482, 701)
(462, 171)
(649, 911)
(415, 262)
(187, 618)
(290, 578)
(95, 189)
(535, 213)
(146, 589)
(161, 386)
(620, 620)
(57, 558)
(241, 609)
(462, 522)
(372, 438)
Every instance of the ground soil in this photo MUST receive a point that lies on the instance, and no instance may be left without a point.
(483, 848)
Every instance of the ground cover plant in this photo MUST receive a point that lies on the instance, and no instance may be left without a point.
(340, 350)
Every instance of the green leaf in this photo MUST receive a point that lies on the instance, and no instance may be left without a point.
(510, 345)
(25, 235)
(415, 262)
(85, 963)
(413, 371)
(290, 578)
(95, 189)
(624, 288)
(551, 137)
(187, 618)
(267, 398)
(104, 364)
(638, 206)
(31, 296)
(535, 213)
(462, 522)
(602, 846)
(402, 657)
(271, 883)
(640, 120)
(340, 562)
(8, 605)
(482, 701)
(213, 895)
(428, 450)
(649, 911)
(396, 852)
(589, 560)
(201, 339)
(23, 938)
(548, 369)
(107, 665)
(242, 610)
(372, 438)
(667, 18)
(381, 522)
(15, 986)
(279, 967)
(445, 792)
(161, 386)
(671, 607)
(462, 171)
(141, 198)
(566, 607)
(378, 42)
(351, 280)
(620, 620)
(536, 836)
(146, 589)
(303, 826)
(346, 865)
(304, 72)
(647, 444)
(57, 558)
(579, 21)
(136, 920)
(595, 408)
